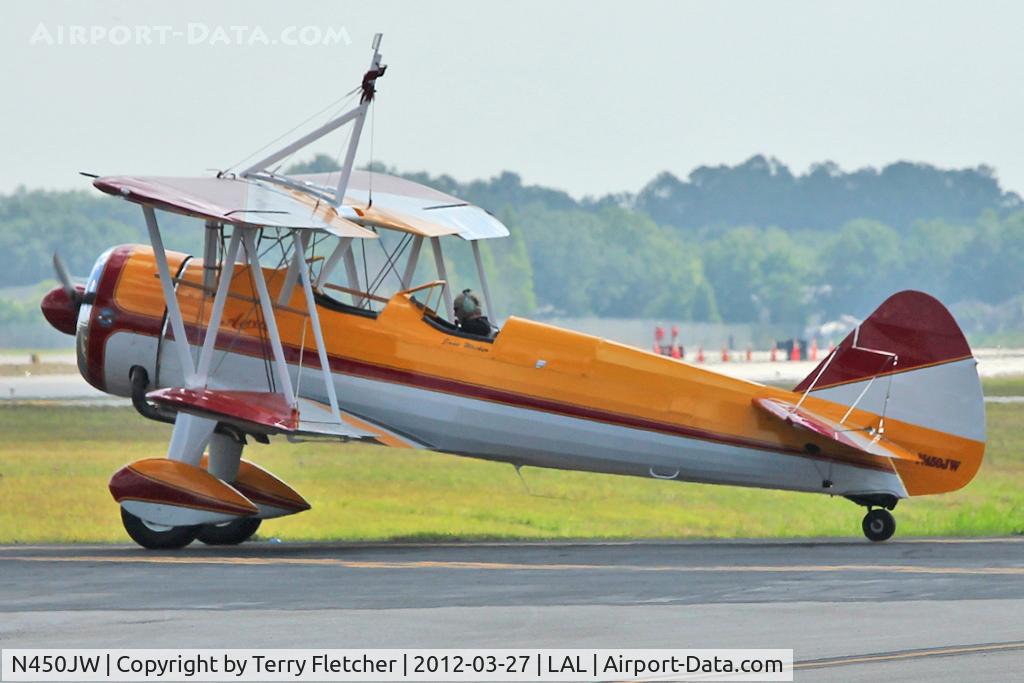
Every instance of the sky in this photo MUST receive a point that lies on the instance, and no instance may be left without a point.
(590, 97)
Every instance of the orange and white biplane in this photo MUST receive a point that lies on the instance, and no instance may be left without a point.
(276, 331)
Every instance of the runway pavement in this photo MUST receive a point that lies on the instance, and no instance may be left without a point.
(950, 609)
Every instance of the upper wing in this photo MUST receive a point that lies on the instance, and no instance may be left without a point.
(802, 418)
(397, 203)
(242, 201)
(405, 205)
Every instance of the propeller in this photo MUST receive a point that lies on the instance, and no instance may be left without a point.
(74, 297)
(60, 305)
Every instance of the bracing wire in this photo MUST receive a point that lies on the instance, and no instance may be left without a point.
(391, 265)
(334, 114)
(291, 130)
(373, 129)
(366, 271)
(254, 308)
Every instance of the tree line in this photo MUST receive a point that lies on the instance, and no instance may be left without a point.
(746, 243)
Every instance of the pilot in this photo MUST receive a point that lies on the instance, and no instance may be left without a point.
(469, 316)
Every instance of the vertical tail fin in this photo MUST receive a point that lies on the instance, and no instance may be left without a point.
(910, 362)
(912, 340)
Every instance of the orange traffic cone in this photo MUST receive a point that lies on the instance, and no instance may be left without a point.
(750, 353)
(700, 354)
(725, 355)
(795, 353)
(775, 352)
(814, 349)
(676, 353)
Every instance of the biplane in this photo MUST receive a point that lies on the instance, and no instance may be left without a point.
(276, 331)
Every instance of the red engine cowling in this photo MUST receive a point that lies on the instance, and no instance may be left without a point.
(109, 341)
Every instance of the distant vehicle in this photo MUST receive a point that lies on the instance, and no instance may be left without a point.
(833, 328)
(231, 350)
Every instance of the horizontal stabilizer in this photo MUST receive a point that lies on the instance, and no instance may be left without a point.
(801, 418)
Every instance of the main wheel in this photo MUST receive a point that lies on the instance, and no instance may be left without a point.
(879, 525)
(155, 536)
(229, 533)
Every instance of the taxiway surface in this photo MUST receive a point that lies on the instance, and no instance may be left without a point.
(903, 610)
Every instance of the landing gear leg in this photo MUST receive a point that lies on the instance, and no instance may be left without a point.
(879, 524)
(225, 457)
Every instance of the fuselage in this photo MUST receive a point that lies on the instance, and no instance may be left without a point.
(534, 395)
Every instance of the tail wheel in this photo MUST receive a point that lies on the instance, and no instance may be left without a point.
(155, 536)
(879, 525)
(229, 533)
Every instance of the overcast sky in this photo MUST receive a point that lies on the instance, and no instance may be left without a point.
(591, 97)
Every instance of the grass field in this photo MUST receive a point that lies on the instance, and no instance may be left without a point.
(1004, 385)
(55, 463)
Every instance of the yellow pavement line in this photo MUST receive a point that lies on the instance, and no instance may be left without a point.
(559, 543)
(1009, 539)
(913, 654)
(510, 566)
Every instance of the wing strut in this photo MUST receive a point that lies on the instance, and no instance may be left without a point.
(442, 274)
(267, 305)
(314, 319)
(227, 271)
(344, 244)
(483, 278)
(173, 311)
(292, 276)
(410, 265)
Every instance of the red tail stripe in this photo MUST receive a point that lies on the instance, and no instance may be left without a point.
(913, 325)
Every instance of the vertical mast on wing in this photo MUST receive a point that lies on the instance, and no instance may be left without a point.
(356, 116)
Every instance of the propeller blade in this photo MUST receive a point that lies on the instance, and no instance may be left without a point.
(65, 279)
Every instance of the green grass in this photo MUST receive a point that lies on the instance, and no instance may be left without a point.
(1004, 385)
(55, 463)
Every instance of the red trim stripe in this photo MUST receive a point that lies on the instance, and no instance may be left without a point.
(130, 484)
(252, 347)
(914, 326)
(264, 498)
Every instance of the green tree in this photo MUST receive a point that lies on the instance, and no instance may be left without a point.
(321, 163)
(860, 265)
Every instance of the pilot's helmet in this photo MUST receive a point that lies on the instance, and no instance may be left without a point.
(466, 304)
